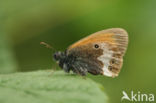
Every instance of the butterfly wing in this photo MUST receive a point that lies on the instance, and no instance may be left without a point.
(104, 49)
(82, 66)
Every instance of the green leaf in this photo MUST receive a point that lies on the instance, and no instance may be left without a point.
(49, 87)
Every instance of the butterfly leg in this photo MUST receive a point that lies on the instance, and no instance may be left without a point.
(66, 68)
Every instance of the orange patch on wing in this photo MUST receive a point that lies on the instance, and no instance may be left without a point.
(108, 38)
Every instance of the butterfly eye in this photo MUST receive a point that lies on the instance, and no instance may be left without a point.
(96, 46)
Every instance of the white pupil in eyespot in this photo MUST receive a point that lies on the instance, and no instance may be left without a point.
(96, 46)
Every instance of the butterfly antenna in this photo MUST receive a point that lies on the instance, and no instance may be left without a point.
(47, 46)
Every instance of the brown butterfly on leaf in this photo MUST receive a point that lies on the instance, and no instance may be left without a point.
(101, 53)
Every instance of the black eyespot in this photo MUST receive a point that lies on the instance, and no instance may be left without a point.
(96, 46)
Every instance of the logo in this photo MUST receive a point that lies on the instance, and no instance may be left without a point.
(137, 96)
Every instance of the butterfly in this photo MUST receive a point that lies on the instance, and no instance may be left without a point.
(100, 53)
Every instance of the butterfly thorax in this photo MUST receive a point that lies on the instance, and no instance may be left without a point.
(64, 60)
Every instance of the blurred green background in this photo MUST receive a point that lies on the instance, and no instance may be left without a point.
(25, 23)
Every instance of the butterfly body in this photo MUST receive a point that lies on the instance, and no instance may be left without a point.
(100, 53)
